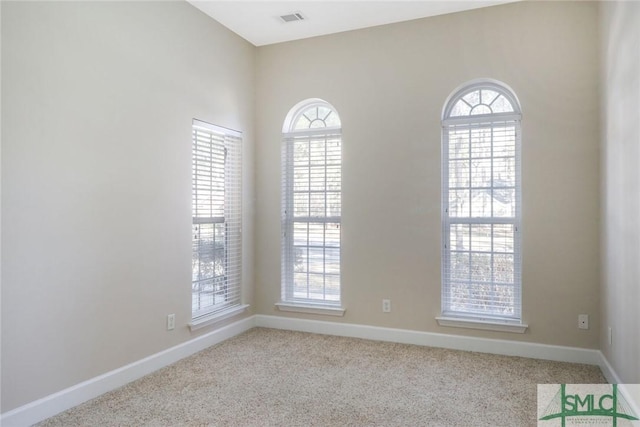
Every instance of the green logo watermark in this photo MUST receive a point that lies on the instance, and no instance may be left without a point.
(584, 404)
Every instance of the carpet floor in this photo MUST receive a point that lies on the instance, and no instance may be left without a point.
(268, 377)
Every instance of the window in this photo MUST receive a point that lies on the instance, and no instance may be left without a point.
(217, 219)
(481, 201)
(311, 205)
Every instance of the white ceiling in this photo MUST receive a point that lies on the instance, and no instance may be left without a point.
(258, 20)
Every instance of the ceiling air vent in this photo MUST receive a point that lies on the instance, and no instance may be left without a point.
(292, 17)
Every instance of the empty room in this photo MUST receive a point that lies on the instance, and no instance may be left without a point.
(398, 213)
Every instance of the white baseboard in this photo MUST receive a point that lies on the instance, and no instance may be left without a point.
(607, 370)
(53, 404)
(454, 342)
(631, 392)
(65, 399)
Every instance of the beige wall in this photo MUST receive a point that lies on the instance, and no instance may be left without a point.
(97, 103)
(389, 84)
(621, 187)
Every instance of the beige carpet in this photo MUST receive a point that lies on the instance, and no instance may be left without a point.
(268, 377)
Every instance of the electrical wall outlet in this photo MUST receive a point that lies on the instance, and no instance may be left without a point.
(583, 321)
(386, 306)
(610, 336)
(171, 322)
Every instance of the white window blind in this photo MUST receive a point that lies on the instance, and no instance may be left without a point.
(311, 206)
(217, 218)
(481, 199)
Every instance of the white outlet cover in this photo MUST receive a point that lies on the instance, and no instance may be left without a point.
(583, 321)
(386, 305)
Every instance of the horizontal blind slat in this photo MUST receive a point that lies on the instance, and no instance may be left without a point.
(217, 219)
(311, 215)
(481, 216)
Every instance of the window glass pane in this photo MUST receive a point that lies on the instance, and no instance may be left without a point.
(481, 173)
(316, 260)
(459, 203)
(459, 173)
(458, 296)
(202, 295)
(479, 297)
(504, 203)
(316, 286)
(481, 237)
(333, 204)
(204, 254)
(504, 141)
(332, 120)
(501, 105)
(459, 237)
(323, 113)
(301, 260)
(480, 109)
(333, 155)
(460, 108)
(208, 178)
(301, 178)
(460, 265)
(332, 260)
(311, 254)
(332, 235)
(302, 123)
(316, 234)
(332, 290)
(216, 219)
(458, 143)
(301, 204)
(311, 113)
(503, 238)
(300, 234)
(333, 178)
(481, 203)
(317, 178)
(472, 98)
(503, 268)
(504, 300)
(301, 152)
(300, 288)
(317, 204)
(504, 172)
(481, 140)
(488, 96)
(317, 151)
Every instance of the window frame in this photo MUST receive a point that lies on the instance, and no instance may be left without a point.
(229, 140)
(291, 136)
(471, 319)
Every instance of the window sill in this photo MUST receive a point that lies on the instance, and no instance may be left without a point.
(487, 325)
(309, 308)
(211, 319)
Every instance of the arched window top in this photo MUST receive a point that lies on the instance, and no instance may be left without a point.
(481, 98)
(311, 114)
(481, 207)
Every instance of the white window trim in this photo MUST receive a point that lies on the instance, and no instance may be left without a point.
(288, 303)
(470, 320)
(216, 313)
(310, 308)
(477, 323)
(218, 316)
(314, 132)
